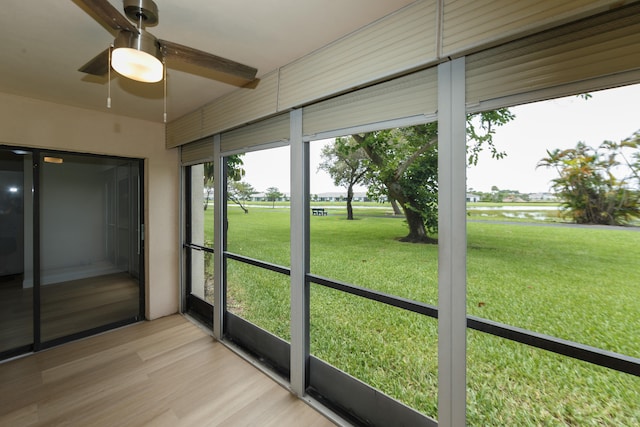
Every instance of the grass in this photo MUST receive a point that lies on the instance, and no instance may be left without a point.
(580, 284)
(566, 282)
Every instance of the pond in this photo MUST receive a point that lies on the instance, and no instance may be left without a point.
(532, 212)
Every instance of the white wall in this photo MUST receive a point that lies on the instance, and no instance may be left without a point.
(31, 123)
(81, 209)
(72, 218)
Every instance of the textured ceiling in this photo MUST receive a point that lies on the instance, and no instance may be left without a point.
(45, 42)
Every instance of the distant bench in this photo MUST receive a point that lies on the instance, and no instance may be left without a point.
(318, 212)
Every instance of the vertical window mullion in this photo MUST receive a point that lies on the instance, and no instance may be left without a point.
(451, 244)
(187, 231)
(219, 233)
(299, 256)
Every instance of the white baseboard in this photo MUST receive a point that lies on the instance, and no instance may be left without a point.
(65, 274)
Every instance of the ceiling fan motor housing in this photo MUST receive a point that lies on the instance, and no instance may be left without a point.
(145, 10)
(144, 42)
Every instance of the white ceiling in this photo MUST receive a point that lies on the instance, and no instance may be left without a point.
(44, 43)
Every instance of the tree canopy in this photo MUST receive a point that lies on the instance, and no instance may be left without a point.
(404, 167)
(347, 163)
(598, 185)
(239, 192)
(273, 194)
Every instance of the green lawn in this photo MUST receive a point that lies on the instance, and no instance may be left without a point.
(580, 284)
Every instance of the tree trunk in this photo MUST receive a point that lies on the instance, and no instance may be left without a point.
(417, 231)
(349, 199)
(396, 208)
(206, 202)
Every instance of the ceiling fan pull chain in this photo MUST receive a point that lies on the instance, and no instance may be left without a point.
(109, 79)
(164, 70)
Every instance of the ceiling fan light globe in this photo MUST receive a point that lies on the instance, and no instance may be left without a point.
(137, 56)
(137, 65)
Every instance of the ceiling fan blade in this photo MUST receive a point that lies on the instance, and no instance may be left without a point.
(190, 55)
(109, 15)
(98, 66)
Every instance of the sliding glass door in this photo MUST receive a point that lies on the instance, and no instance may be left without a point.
(71, 247)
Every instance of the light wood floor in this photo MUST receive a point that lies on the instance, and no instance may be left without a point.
(167, 372)
(66, 308)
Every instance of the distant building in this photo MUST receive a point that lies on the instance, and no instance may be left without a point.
(543, 197)
(261, 197)
(340, 196)
(472, 197)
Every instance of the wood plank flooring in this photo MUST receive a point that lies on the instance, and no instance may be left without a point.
(66, 308)
(167, 372)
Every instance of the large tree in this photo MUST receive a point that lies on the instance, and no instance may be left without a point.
(598, 185)
(404, 167)
(347, 163)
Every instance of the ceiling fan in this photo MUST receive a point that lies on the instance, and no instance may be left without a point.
(140, 56)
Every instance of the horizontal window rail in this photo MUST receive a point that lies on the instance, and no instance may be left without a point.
(257, 263)
(607, 359)
(407, 304)
(197, 247)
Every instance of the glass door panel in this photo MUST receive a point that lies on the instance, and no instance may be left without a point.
(16, 296)
(89, 243)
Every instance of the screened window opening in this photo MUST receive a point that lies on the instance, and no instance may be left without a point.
(257, 239)
(374, 260)
(200, 230)
(258, 205)
(553, 244)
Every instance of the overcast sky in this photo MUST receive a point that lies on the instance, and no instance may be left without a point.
(560, 123)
